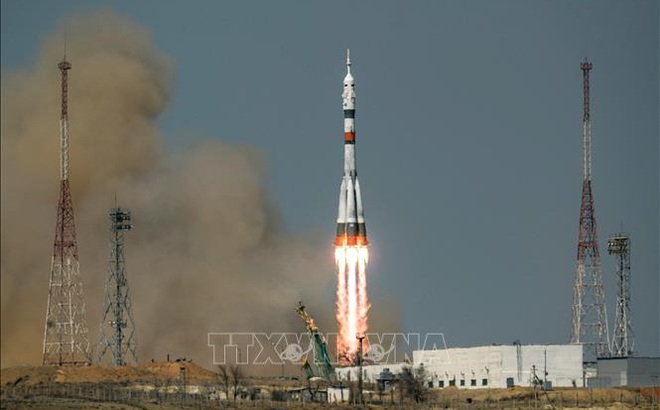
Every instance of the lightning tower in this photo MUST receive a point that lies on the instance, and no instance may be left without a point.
(117, 324)
(623, 342)
(589, 325)
(66, 340)
(351, 252)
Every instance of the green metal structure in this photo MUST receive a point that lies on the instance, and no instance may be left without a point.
(321, 359)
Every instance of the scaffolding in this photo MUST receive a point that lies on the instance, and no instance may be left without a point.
(117, 333)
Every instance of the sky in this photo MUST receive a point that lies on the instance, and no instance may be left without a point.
(469, 138)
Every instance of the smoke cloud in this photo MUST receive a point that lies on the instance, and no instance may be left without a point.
(207, 252)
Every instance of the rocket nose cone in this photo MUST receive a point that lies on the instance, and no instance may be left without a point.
(349, 78)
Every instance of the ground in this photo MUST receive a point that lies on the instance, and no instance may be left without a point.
(159, 386)
(31, 375)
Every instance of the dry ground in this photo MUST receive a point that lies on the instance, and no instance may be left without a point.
(23, 388)
(31, 375)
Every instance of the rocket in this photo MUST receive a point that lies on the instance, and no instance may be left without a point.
(351, 229)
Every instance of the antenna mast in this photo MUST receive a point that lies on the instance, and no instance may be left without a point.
(66, 340)
(64, 67)
(623, 343)
(589, 325)
(117, 324)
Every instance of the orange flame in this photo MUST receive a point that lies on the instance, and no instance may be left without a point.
(352, 299)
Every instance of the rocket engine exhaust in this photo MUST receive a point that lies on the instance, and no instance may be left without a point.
(351, 252)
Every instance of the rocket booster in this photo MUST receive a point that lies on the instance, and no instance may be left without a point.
(351, 229)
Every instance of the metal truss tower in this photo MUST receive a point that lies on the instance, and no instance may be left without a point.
(623, 342)
(589, 326)
(117, 324)
(66, 339)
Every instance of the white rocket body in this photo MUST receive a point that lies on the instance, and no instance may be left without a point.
(351, 228)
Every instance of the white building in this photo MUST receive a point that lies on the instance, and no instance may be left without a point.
(627, 371)
(501, 365)
(496, 366)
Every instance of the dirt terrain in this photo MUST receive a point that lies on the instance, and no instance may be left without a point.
(159, 386)
(160, 371)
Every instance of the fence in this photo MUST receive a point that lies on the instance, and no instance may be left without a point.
(141, 396)
(107, 392)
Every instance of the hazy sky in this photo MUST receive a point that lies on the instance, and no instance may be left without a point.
(469, 138)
